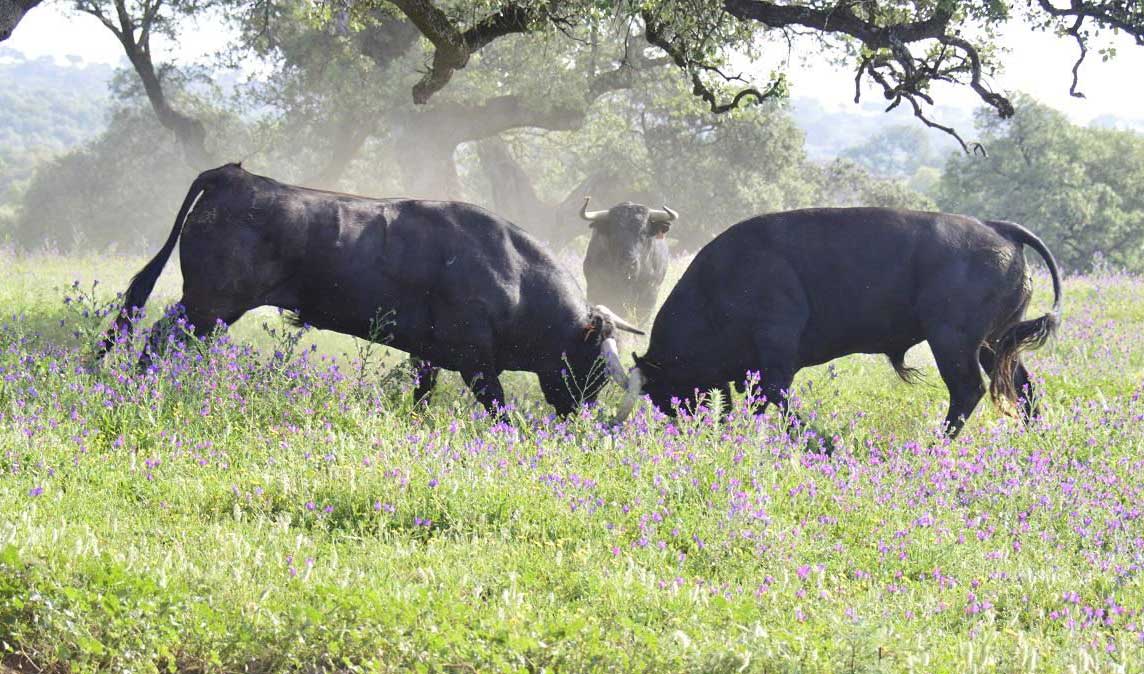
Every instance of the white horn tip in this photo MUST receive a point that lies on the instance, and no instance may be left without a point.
(635, 384)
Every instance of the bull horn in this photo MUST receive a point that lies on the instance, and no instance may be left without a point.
(666, 215)
(611, 355)
(616, 320)
(634, 388)
(590, 216)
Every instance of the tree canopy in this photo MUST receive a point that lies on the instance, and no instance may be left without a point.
(901, 47)
(1081, 189)
(526, 106)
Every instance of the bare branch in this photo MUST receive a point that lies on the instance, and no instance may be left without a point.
(1117, 15)
(887, 57)
(840, 18)
(1121, 15)
(998, 102)
(897, 94)
(656, 33)
(1075, 32)
(453, 47)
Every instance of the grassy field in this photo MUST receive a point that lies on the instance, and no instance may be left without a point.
(238, 511)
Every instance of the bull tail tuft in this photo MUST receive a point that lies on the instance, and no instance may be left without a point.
(1024, 335)
(144, 282)
(910, 375)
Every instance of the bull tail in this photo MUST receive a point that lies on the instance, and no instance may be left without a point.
(1024, 335)
(910, 375)
(144, 282)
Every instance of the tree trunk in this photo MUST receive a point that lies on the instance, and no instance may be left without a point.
(514, 196)
(134, 34)
(349, 137)
(11, 11)
(426, 163)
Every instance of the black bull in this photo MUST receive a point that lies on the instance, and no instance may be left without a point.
(465, 290)
(780, 292)
(627, 258)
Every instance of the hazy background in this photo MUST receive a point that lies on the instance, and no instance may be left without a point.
(85, 165)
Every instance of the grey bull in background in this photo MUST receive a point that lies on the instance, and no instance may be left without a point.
(463, 289)
(784, 291)
(627, 257)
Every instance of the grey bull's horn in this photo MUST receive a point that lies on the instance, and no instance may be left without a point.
(634, 387)
(666, 215)
(590, 216)
(616, 320)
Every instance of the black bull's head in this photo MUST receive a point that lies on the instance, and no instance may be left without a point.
(627, 256)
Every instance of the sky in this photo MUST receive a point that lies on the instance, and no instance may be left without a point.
(1039, 64)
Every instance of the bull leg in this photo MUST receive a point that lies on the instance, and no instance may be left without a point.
(560, 392)
(486, 386)
(426, 377)
(775, 385)
(1029, 410)
(203, 322)
(158, 339)
(957, 356)
(776, 354)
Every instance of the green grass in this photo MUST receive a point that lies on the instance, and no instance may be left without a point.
(242, 514)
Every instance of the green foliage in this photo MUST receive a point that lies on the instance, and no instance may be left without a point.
(725, 169)
(899, 151)
(1080, 189)
(335, 92)
(117, 191)
(45, 109)
(845, 183)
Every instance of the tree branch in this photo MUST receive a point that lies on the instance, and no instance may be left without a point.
(656, 33)
(459, 123)
(452, 46)
(888, 60)
(1075, 32)
(1124, 15)
(840, 18)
